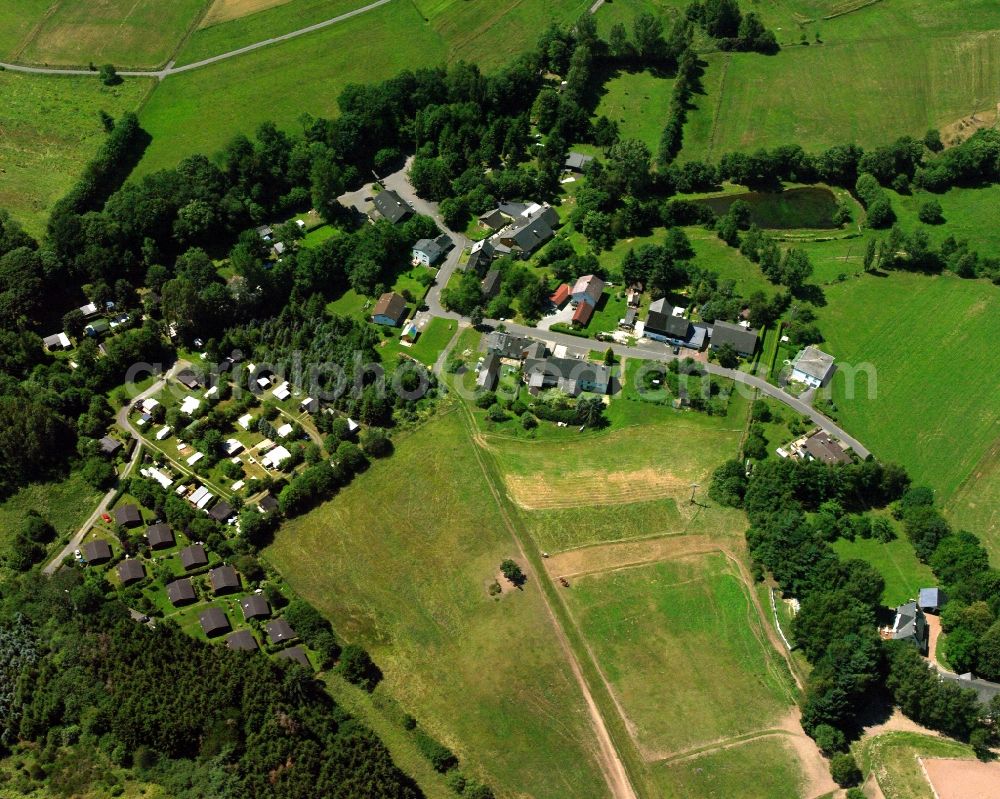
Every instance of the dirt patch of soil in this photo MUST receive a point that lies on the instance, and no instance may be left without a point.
(962, 779)
(625, 554)
(545, 492)
(227, 10)
(960, 130)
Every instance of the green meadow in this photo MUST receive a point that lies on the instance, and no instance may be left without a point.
(638, 102)
(65, 504)
(896, 561)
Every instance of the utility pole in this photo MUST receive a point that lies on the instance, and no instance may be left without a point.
(694, 488)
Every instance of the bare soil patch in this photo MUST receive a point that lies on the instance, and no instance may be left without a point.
(227, 10)
(961, 129)
(541, 491)
(962, 779)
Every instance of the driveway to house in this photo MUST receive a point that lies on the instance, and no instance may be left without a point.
(170, 69)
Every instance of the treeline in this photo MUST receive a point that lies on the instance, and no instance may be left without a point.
(92, 692)
(796, 509)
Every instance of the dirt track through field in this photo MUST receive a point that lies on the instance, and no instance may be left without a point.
(543, 491)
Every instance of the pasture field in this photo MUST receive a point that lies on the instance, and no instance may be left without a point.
(896, 561)
(765, 768)
(638, 102)
(931, 342)
(976, 504)
(65, 504)
(931, 82)
(680, 635)
(50, 130)
(402, 565)
(968, 213)
(18, 19)
(892, 757)
(127, 33)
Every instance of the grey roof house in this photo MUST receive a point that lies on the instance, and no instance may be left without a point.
(279, 631)
(491, 284)
(128, 516)
(662, 325)
(567, 374)
(96, 552)
(910, 625)
(159, 536)
(242, 641)
(181, 592)
(812, 366)
(515, 348)
(193, 556)
(224, 579)
(255, 607)
(480, 257)
(110, 446)
(391, 206)
(130, 571)
(429, 251)
(214, 622)
(577, 162)
(742, 339)
(296, 654)
(931, 600)
(527, 231)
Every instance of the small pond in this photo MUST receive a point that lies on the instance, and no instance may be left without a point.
(806, 207)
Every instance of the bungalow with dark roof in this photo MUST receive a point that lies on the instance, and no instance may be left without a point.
(128, 516)
(390, 309)
(296, 654)
(493, 220)
(821, 447)
(96, 552)
(130, 571)
(743, 339)
(587, 289)
(181, 592)
(491, 284)
(221, 511)
(390, 206)
(193, 556)
(577, 162)
(255, 607)
(567, 374)
(279, 631)
(224, 579)
(110, 446)
(159, 536)
(214, 622)
(267, 504)
(662, 325)
(242, 641)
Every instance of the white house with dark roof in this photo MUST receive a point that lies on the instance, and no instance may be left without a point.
(812, 366)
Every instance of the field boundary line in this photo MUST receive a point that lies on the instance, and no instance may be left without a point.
(720, 745)
(717, 111)
(32, 34)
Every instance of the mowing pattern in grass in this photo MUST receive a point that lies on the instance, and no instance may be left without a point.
(682, 646)
(893, 758)
(638, 102)
(932, 342)
(400, 561)
(127, 33)
(18, 19)
(761, 769)
(903, 573)
(64, 504)
(976, 504)
(968, 214)
(50, 130)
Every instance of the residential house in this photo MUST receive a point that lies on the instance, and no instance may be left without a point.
(128, 516)
(110, 446)
(561, 295)
(232, 446)
(99, 327)
(743, 339)
(193, 557)
(275, 457)
(242, 641)
(96, 552)
(244, 421)
(529, 228)
(214, 622)
(282, 392)
(663, 325)
(582, 314)
(267, 504)
(931, 600)
(279, 631)
(569, 375)
(390, 206)
(985, 690)
(221, 511)
(285, 430)
(493, 220)
(812, 366)
(224, 579)
(821, 447)
(296, 654)
(587, 289)
(130, 571)
(628, 322)
(88, 310)
(309, 405)
(160, 536)
(389, 310)
(911, 625)
(429, 251)
(577, 162)
(188, 379)
(255, 607)
(181, 592)
(480, 257)
(491, 284)
(57, 341)
(189, 405)
(489, 372)
(514, 348)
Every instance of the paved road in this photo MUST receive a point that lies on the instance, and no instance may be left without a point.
(170, 69)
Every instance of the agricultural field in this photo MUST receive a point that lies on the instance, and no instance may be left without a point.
(18, 19)
(680, 635)
(50, 130)
(127, 33)
(931, 343)
(892, 757)
(896, 561)
(65, 504)
(968, 214)
(764, 768)
(976, 504)
(638, 102)
(483, 675)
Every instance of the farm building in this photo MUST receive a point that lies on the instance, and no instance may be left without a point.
(181, 592)
(242, 641)
(812, 367)
(582, 314)
(390, 206)
(560, 296)
(567, 374)
(96, 552)
(214, 622)
(743, 339)
(390, 309)
(130, 571)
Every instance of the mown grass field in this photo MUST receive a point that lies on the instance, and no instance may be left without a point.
(65, 504)
(402, 566)
(50, 130)
(968, 214)
(976, 504)
(674, 639)
(638, 102)
(931, 341)
(760, 769)
(18, 19)
(126, 33)
(896, 561)
(893, 758)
